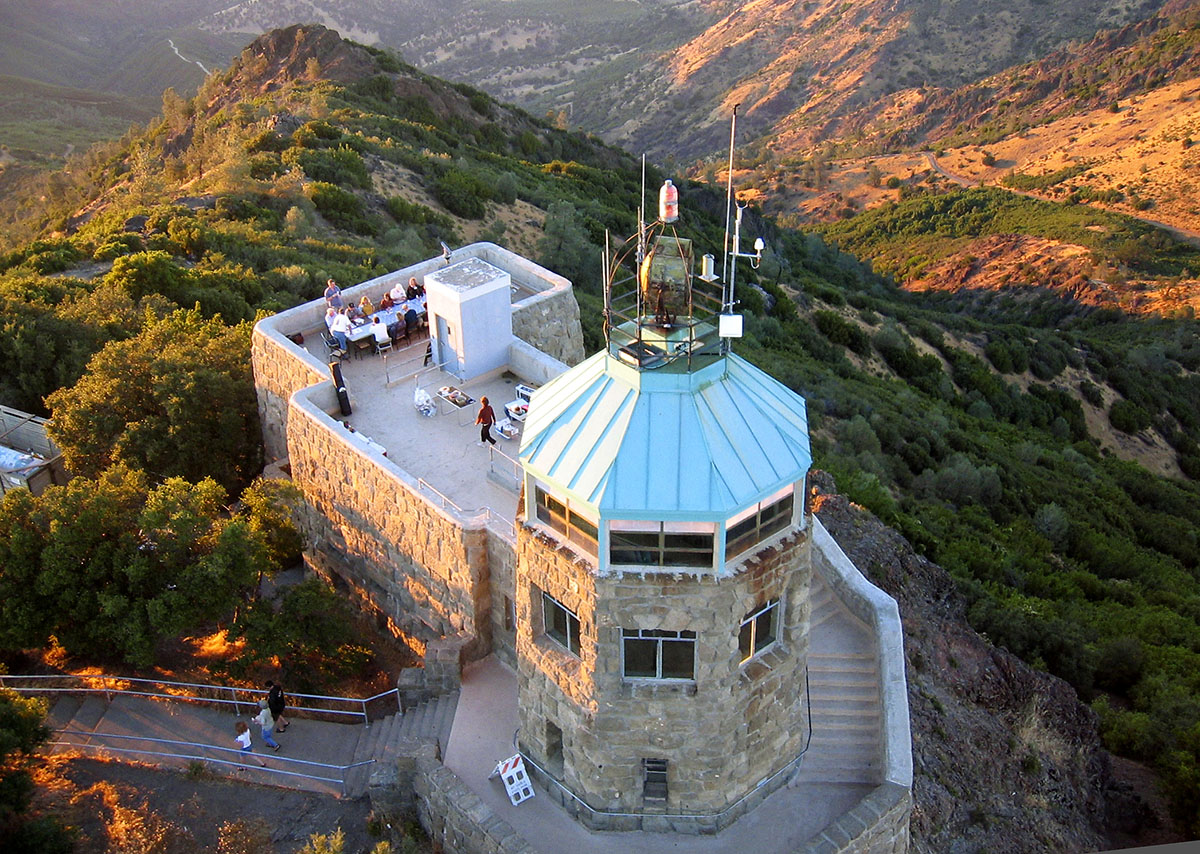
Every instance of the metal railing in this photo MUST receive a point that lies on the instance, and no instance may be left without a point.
(203, 753)
(504, 467)
(299, 705)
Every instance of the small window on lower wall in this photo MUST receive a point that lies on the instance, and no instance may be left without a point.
(658, 654)
(561, 623)
(758, 629)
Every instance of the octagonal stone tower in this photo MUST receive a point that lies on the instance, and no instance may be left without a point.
(663, 566)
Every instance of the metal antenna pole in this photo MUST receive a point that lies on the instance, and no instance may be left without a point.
(728, 203)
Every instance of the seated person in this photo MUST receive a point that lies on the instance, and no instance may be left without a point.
(410, 317)
(386, 302)
(397, 294)
(379, 331)
(396, 329)
(414, 290)
(330, 314)
(366, 307)
(339, 328)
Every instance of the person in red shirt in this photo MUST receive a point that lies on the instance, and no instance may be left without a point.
(486, 418)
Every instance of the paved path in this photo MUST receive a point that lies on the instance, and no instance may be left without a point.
(313, 756)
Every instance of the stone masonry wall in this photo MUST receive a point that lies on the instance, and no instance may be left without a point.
(878, 824)
(281, 368)
(735, 725)
(457, 821)
(550, 322)
(370, 527)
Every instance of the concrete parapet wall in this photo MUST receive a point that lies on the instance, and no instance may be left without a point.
(457, 821)
(531, 364)
(880, 612)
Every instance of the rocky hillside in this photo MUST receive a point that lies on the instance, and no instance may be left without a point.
(1005, 757)
(802, 68)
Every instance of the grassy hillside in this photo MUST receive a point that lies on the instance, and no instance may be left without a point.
(988, 431)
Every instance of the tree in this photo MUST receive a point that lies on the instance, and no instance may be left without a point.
(564, 246)
(176, 401)
(110, 567)
(309, 630)
(22, 730)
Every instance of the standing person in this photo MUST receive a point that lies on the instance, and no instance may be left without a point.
(266, 722)
(276, 703)
(243, 740)
(486, 418)
(333, 294)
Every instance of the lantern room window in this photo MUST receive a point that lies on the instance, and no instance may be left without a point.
(661, 544)
(755, 524)
(566, 520)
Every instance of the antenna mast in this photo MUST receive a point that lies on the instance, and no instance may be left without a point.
(728, 201)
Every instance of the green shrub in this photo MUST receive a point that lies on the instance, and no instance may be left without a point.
(841, 331)
(340, 207)
(462, 193)
(341, 165)
(1128, 417)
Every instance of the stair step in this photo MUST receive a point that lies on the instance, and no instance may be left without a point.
(848, 725)
(836, 705)
(840, 660)
(867, 746)
(843, 681)
(63, 711)
(89, 714)
(812, 774)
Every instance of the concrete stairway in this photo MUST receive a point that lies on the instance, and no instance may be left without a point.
(843, 678)
(431, 720)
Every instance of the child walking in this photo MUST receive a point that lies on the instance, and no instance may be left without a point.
(243, 740)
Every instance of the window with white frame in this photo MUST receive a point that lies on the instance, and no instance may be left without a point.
(759, 629)
(661, 544)
(561, 623)
(754, 524)
(566, 520)
(658, 654)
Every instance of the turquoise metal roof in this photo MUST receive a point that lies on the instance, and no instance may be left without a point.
(635, 444)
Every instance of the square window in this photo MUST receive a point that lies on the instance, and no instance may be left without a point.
(758, 629)
(561, 623)
(658, 654)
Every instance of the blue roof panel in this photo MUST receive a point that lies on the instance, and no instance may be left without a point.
(665, 445)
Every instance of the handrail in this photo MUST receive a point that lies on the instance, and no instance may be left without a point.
(422, 482)
(107, 688)
(241, 763)
(789, 767)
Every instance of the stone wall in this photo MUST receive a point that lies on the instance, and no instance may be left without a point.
(370, 527)
(731, 727)
(878, 824)
(281, 369)
(457, 821)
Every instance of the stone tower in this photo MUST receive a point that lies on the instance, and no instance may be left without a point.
(663, 562)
